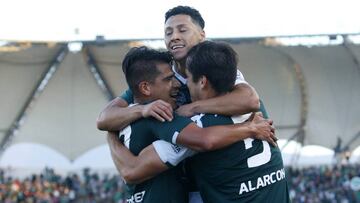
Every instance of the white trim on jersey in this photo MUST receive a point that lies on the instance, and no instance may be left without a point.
(240, 78)
(241, 118)
(170, 153)
(173, 153)
(126, 132)
(178, 76)
(174, 138)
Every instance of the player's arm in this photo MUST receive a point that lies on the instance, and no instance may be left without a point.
(151, 160)
(117, 115)
(241, 100)
(135, 169)
(217, 137)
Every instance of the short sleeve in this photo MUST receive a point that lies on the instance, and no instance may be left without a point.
(169, 130)
(240, 78)
(263, 110)
(171, 154)
(128, 96)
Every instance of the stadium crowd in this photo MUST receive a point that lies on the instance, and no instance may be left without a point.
(328, 184)
(48, 187)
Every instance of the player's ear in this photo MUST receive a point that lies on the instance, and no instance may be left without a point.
(144, 88)
(203, 35)
(203, 82)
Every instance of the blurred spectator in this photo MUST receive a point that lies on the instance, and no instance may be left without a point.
(326, 184)
(48, 187)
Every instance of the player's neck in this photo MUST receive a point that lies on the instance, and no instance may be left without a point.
(142, 100)
(180, 67)
(208, 94)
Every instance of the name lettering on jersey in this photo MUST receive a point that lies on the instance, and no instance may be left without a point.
(136, 198)
(262, 181)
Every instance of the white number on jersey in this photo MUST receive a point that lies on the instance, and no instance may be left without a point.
(258, 159)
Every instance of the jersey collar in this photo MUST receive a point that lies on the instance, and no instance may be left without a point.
(178, 76)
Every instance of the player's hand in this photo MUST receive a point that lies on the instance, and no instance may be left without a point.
(158, 109)
(186, 110)
(263, 129)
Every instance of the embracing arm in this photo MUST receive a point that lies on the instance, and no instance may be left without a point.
(241, 100)
(217, 137)
(117, 115)
(134, 169)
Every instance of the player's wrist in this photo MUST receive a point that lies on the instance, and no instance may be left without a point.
(252, 130)
(195, 107)
(140, 111)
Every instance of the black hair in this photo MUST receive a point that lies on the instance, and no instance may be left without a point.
(217, 61)
(139, 65)
(186, 10)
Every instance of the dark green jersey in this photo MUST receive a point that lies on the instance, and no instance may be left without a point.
(167, 186)
(247, 171)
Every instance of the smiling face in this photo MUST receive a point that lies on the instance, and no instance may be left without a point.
(181, 34)
(165, 86)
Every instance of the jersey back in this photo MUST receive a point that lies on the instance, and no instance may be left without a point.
(247, 171)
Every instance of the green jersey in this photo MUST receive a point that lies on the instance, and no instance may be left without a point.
(167, 186)
(247, 171)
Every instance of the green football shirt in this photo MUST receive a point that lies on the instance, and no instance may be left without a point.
(247, 171)
(166, 187)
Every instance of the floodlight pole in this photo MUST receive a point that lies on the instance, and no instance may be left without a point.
(99, 77)
(347, 47)
(300, 134)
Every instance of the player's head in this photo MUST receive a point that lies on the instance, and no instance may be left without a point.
(149, 75)
(184, 28)
(211, 69)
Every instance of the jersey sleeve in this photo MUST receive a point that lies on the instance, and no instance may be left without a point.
(169, 130)
(240, 78)
(171, 154)
(128, 96)
(263, 110)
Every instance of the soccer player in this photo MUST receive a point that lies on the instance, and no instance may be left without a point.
(184, 28)
(150, 77)
(247, 171)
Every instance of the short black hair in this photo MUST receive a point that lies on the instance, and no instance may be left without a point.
(217, 61)
(139, 65)
(186, 10)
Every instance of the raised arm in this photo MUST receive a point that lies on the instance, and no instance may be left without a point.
(117, 115)
(243, 99)
(134, 169)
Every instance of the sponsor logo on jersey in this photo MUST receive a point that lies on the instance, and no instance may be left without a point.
(176, 148)
(136, 198)
(262, 181)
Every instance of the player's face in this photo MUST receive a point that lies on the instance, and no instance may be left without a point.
(194, 87)
(181, 34)
(165, 86)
